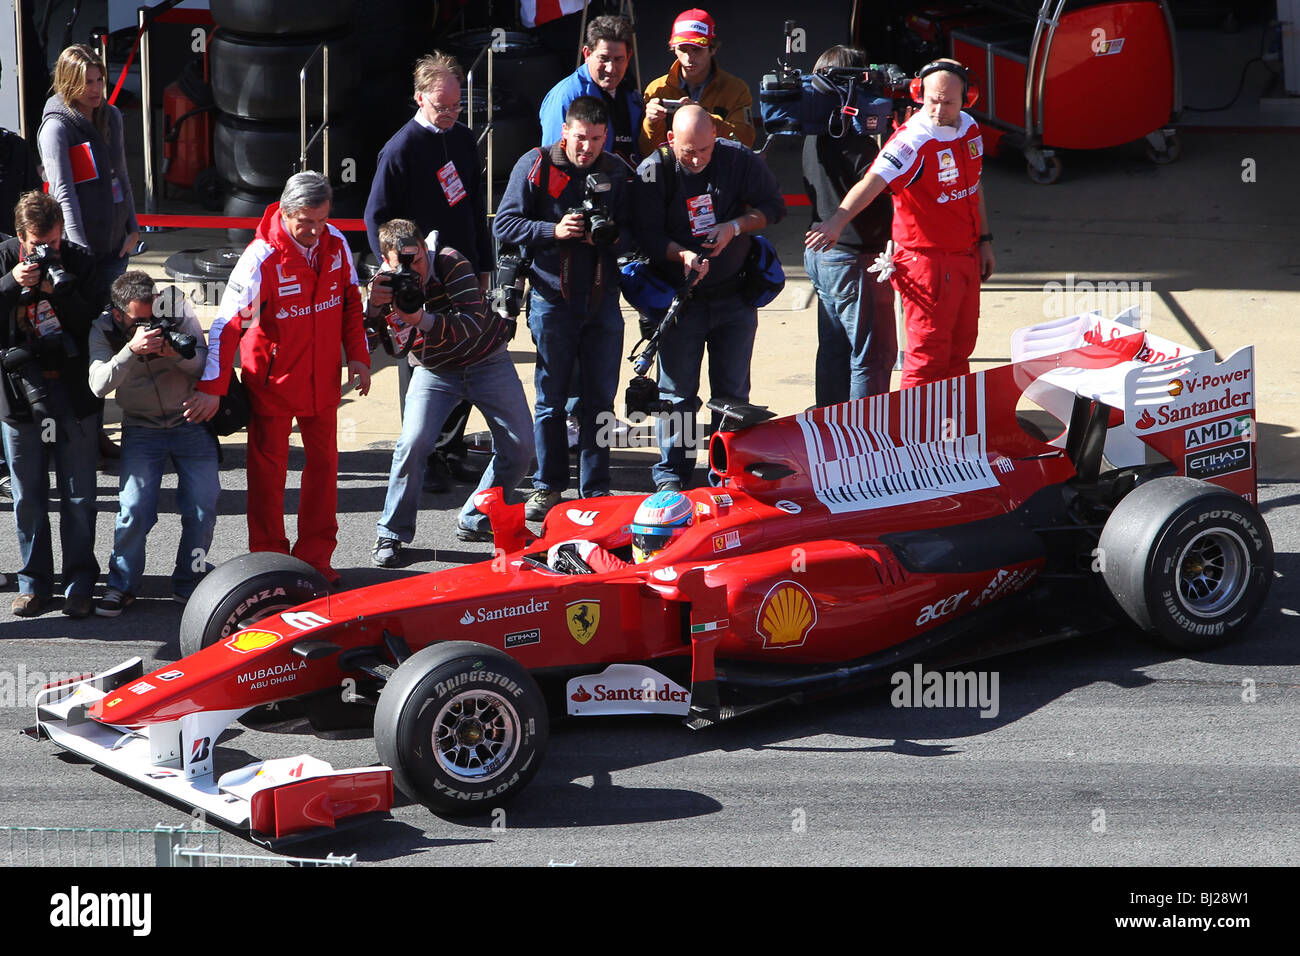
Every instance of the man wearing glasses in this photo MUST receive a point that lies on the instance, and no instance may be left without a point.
(429, 171)
(430, 174)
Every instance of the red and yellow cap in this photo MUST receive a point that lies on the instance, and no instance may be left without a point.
(693, 26)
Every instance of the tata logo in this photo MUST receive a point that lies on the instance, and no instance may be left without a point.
(1215, 432)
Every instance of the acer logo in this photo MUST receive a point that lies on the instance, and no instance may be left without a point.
(932, 612)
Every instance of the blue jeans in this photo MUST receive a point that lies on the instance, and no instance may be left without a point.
(493, 385)
(193, 450)
(569, 347)
(726, 327)
(856, 336)
(72, 445)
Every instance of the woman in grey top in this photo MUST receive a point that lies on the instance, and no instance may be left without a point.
(85, 164)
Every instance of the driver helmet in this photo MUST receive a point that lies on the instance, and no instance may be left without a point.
(658, 521)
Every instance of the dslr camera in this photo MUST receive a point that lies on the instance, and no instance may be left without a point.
(51, 268)
(182, 343)
(600, 226)
(26, 383)
(506, 299)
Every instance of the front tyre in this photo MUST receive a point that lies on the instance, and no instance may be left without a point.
(1187, 561)
(242, 591)
(462, 725)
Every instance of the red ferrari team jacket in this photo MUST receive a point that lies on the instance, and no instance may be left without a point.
(286, 320)
(934, 173)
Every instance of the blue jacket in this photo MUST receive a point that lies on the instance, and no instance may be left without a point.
(579, 83)
(541, 189)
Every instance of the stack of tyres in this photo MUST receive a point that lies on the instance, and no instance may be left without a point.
(257, 53)
(523, 71)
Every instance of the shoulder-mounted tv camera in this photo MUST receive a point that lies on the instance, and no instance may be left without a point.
(837, 101)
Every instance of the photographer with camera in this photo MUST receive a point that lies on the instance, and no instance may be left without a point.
(856, 339)
(695, 77)
(695, 202)
(152, 359)
(431, 293)
(942, 243)
(297, 287)
(568, 205)
(49, 414)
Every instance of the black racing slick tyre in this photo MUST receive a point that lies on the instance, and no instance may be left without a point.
(281, 17)
(243, 591)
(257, 77)
(1188, 562)
(462, 725)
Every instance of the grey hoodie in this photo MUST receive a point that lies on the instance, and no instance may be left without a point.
(91, 218)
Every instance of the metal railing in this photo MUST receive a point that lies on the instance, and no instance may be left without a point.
(163, 846)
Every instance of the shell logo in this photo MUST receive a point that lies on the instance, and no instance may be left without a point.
(246, 641)
(1176, 387)
(786, 615)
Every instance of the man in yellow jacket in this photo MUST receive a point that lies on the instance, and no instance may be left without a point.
(696, 78)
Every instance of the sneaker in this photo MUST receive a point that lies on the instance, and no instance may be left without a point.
(473, 534)
(78, 605)
(669, 486)
(113, 603)
(385, 554)
(539, 503)
(28, 605)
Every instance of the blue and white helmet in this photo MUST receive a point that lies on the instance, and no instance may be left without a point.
(658, 520)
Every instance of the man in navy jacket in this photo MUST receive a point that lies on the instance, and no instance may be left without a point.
(573, 311)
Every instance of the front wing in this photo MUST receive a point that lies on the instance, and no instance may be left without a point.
(274, 801)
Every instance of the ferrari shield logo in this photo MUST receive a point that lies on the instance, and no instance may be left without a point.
(246, 641)
(583, 618)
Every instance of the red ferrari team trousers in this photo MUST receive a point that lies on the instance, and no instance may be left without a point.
(941, 304)
(268, 465)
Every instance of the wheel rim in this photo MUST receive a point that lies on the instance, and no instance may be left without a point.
(1211, 573)
(475, 735)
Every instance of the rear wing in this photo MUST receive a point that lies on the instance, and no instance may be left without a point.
(1195, 411)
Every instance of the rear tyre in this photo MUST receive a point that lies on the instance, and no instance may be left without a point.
(1188, 562)
(462, 725)
(242, 592)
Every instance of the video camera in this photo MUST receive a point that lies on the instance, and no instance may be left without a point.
(642, 392)
(835, 101)
(600, 226)
(51, 265)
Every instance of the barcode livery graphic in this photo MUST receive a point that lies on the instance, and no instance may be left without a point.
(899, 447)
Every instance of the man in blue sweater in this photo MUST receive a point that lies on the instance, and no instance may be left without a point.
(430, 173)
(573, 310)
(605, 59)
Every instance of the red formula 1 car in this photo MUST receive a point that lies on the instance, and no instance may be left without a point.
(839, 543)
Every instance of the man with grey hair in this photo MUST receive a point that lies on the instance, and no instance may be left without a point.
(153, 371)
(296, 288)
